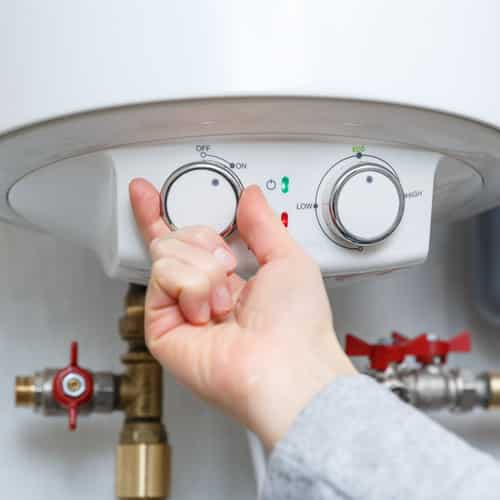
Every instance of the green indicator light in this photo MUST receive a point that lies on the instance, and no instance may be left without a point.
(358, 149)
(285, 181)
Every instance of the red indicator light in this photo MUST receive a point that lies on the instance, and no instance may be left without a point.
(284, 218)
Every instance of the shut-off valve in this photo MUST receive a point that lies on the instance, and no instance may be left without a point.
(427, 383)
(143, 455)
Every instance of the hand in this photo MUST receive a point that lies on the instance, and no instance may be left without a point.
(260, 349)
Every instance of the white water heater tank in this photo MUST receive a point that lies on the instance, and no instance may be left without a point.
(361, 121)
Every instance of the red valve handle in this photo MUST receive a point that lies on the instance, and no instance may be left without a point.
(431, 349)
(422, 347)
(397, 338)
(381, 355)
(63, 395)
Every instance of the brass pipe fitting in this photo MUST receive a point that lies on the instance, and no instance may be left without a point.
(36, 392)
(493, 390)
(141, 387)
(143, 454)
(142, 461)
(25, 391)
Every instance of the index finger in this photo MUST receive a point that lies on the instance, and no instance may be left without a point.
(146, 205)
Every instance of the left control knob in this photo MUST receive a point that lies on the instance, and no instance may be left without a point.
(202, 193)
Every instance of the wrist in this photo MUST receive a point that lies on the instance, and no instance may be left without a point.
(276, 406)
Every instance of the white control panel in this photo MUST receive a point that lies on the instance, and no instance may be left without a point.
(355, 209)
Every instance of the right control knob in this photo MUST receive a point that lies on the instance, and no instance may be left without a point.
(365, 205)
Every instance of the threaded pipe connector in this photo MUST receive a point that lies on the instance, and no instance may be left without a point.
(25, 391)
(493, 390)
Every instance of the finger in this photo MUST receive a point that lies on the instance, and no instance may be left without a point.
(236, 285)
(220, 296)
(186, 285)
(162, 313)
(261, 229)
(201, 237)
(146, 205)
(165, 320)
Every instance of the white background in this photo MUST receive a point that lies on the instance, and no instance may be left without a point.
(52, 293)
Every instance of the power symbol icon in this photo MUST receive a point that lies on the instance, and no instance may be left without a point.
(271, 185)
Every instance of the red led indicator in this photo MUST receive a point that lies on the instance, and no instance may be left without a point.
(284, 218)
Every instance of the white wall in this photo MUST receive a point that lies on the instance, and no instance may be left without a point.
(53, 293)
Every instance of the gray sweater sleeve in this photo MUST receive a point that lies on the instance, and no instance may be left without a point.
(357, 441)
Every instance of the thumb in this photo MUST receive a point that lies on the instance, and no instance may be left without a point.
(261, 229)
(146, 206)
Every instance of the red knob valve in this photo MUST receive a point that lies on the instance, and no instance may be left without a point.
(73, 386)
(397, 338)
(382, 355)
(426, 352)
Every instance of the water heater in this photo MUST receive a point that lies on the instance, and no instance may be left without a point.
(362, 122)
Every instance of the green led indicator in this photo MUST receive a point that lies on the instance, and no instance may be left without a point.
(285, 181)
(358, 149)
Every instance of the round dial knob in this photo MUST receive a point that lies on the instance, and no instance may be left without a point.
(203, 193)
(365, 204)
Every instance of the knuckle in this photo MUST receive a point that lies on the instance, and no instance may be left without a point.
(215, 270)
(205, 236)
(164, 246)
(159, 267)
(153, 346)
(155, 245)
(173, 245)
(197, 282)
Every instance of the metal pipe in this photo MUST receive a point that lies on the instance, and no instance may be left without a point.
(25, 391)
(493, 380)
(143, 454)
(435, 387)
(36, 391)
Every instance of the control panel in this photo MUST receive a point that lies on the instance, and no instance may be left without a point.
(356, 209)
(340, 195)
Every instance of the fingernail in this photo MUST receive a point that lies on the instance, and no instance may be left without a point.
(222, 301)
(225, 257)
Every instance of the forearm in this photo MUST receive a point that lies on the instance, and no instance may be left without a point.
(357, 441)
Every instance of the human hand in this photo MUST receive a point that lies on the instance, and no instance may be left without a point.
(260, 349)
